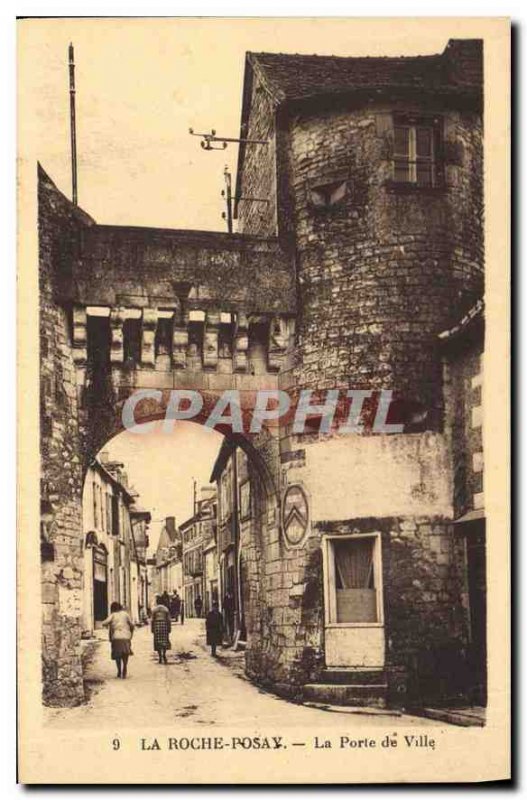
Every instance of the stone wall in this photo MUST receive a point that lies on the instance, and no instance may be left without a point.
(61, 461)
(253, 543)
(142, 267)
(258, 167)
(290, 651)
(410, 505)
(382, 272)
(425, 623)
(463, 385)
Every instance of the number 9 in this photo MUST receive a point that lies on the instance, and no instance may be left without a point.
(116, 744)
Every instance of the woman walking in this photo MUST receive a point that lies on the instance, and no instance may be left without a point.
(121, 630)
(161, 627)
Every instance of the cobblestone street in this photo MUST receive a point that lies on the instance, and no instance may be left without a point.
(195, 690)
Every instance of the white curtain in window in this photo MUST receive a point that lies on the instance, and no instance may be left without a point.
(354, 563)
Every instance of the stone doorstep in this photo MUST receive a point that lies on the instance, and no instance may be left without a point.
(363, 710)
(464, 717)
(369, 694)
(345, 676)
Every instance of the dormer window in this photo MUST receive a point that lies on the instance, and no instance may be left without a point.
(414, 153)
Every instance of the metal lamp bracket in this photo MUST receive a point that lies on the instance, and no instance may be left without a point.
(210, 138)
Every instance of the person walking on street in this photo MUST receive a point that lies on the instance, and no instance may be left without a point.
(161, 627)
(214, 627)
(121, 630)
(175, 604)
(182, 612)
(198, 605)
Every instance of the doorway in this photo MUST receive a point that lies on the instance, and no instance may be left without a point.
(100, 585)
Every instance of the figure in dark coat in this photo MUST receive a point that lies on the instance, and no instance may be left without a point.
(175, 605)
(198, 605)
(214, 627)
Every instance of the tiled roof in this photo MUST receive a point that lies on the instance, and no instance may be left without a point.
(289, 78)
(300, 76)
(138, 511)
(114, 477)
(295, 76)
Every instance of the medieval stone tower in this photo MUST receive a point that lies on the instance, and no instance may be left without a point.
(374, 174)
(359, 241)
(374, 178)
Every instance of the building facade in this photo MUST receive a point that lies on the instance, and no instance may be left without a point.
(373, 171)
(140, 520)
(235, 524)
(210, 572)
(113, 556)
(198, 537)
(168, 573)
(463, 350)
(151, 581)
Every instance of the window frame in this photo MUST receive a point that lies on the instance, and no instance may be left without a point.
(412, 160)
(245, 499)
(330, 601)
(95, 509)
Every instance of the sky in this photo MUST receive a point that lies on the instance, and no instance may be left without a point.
(162, 466)
(141, 83)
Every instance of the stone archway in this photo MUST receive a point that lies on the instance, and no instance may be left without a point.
(192, 309)
(102, 420)
(249, 551)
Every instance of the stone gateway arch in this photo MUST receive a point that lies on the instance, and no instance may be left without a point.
(363, 270)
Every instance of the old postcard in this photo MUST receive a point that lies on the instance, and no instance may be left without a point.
(263, 400)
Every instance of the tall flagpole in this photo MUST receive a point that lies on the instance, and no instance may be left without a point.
(73, 131)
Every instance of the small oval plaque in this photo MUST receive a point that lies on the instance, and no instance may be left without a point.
(295, 515)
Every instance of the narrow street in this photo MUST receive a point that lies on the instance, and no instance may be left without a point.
(195, 689)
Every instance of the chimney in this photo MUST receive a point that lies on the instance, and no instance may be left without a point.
(464, 60)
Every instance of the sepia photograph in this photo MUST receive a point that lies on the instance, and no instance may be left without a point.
(261, 463)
